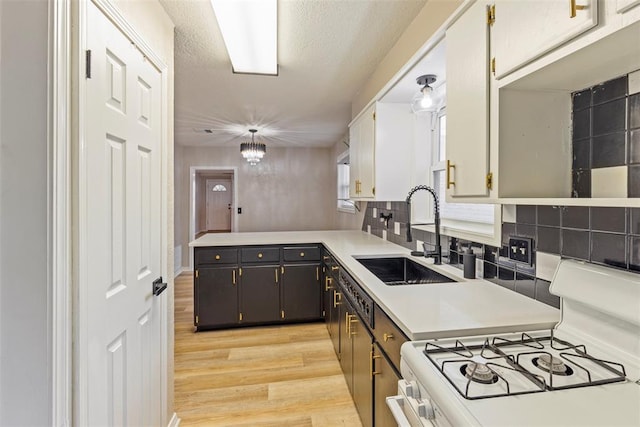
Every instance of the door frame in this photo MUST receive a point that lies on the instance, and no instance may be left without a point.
(192, 200)
(67, 175)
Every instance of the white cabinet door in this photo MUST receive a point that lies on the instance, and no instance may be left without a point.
(624, 5)
(366, 153)
(527, 29)
(468, 102)
(354, 142)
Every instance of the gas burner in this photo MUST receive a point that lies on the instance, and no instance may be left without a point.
(554, 365)
(479, 372)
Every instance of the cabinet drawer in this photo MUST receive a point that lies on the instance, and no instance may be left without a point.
(389, 336)
(269, 254)
(302, 253)
(216, 256)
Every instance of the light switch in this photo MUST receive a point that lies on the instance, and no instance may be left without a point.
(396, 228)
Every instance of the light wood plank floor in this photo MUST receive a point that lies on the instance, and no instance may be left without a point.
(263, 376)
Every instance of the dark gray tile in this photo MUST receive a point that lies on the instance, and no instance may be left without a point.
(575, 244)
(581, 124)
(609, 117)
(506, 278)
(581, 154)
(609, 249)
(607, 91)
(548, 240)
(526, 230)
(608, 150)
(526, 214)
(634, 253)
(543, 294)
(529, 270)
(575, 217)
(634, 146)
(525, 285)
(634, 221)
(549, 215)
(633, 185)
(581, 185)
(634, 111)
(508, 229)
(491, 253)
(376, 232)
(581, 100)
(608, 219)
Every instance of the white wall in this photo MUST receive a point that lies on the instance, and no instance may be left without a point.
(25, 351)
(291, 189)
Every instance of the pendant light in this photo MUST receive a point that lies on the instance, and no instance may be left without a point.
(423, 99)
(253, 151)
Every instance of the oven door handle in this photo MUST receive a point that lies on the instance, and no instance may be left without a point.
(394, 403)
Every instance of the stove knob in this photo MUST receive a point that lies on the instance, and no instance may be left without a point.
(413, 390)
(425, 410)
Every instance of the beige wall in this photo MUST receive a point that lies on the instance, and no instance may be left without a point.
(291, 189)
(426, 23)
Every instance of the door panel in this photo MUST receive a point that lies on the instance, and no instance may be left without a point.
(218, 202)
(260, 294)
(385, 384)
(362, 382)
(216, 296)
(120, 342)
(301, 291)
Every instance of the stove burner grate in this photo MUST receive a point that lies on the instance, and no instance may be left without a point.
(479, 372)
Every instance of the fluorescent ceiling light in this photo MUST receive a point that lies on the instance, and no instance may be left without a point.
(250, 32)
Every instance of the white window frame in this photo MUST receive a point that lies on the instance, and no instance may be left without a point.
(344, 204)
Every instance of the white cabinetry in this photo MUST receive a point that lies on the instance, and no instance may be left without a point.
(624, 5)
(380, 149)
(468, 84)
(525, 30)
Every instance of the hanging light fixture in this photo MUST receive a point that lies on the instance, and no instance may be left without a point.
(423, 100)
(253, 151)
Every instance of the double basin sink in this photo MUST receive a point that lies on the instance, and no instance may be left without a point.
(395, 271)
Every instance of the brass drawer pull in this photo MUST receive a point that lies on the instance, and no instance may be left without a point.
(386, 337)
(335, 297)
(301, 254)
(234, 277)
(327, 283)
(334, 268)
(371, 358)
(575, 7)
(217, 257)
(449, 167)
(260, 255)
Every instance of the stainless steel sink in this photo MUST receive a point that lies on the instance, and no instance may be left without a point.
(394, 271)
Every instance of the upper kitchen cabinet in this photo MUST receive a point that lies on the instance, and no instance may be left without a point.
(525, 30)
(380, 147)
(468, 83)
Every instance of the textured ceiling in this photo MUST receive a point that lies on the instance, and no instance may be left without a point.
(327, 49)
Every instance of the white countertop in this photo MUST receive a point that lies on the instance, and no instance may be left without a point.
(469, 307)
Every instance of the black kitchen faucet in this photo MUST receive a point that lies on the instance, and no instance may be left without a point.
(437, 253)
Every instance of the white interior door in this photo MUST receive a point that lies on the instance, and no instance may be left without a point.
(119, 325)
(218, 202)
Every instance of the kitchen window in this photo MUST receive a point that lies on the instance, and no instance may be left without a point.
(344, 203)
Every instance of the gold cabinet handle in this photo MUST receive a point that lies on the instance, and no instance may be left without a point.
(217, 257)
(449, 181)
(233, 277)
(301, 254)
(326, 258)
(346, 323)
(276, 275)
(575, 7)
(336, 294)
(327, 283)
(334, 268)
(352, 319)
(260, 255)
(371, 359)
(386, 337)
(317, 273)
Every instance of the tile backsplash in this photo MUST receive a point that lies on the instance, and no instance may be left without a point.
(606, 139)
(603, 235)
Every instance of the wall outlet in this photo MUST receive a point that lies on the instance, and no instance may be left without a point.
(520, 249)
(375, 212)
(396, 228)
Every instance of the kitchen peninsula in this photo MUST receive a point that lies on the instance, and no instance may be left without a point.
(465, 307)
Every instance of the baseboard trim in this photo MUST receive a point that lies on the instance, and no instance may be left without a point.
(179, 271)
(175, 421)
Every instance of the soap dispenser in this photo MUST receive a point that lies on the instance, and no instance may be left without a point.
(469, 263)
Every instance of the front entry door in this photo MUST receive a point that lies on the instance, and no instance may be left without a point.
(218, 204)
(119, 322)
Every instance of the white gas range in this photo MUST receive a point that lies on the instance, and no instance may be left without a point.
(586, 371)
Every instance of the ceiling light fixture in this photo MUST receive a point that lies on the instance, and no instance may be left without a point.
(253, 151)
(250, 32)
(423, 100)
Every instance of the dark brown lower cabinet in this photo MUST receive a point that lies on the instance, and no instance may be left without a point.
(346, 347)
(216, 297)
(362, 392)
(385, 383)
(301, 298)
(334, 318)
(260, 294)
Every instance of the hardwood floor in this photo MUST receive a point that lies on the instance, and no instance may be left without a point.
(263, 376)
